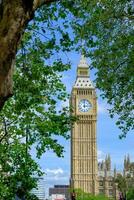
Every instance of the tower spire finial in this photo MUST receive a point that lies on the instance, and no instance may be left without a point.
(83, 80)
(83, 62)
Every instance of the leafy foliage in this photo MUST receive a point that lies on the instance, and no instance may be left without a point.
(107, 30)
(130, 194)
(80, 195)
(122, 184)
(125, 184)
(31, 119)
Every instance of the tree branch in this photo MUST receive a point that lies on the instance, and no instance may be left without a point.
(14, 18)
(38, 3)
(5, 130)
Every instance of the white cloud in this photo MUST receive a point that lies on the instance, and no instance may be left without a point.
(56, 176)
(54, 171)
(55, 180)
(101, 155)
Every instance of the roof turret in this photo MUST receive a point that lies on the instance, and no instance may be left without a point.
(83, 62)
(83, 80)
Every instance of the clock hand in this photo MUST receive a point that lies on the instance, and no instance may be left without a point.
(84, 104)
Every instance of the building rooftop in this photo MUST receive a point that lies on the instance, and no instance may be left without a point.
(83, 82)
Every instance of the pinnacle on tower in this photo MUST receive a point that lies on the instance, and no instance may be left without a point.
(125, 163)
(128, 162)
(83, 68)
(108, 162)
(128, 159)
(83, 62)
(115, 172)
(103, 165)
(83, 81)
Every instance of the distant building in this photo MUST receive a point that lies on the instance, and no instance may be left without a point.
(40, 190)
(107, 177)
(60, 189)
(57, 197)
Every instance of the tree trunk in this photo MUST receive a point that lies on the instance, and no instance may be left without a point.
(14, 16)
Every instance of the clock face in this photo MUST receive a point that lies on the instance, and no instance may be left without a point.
(84, 105)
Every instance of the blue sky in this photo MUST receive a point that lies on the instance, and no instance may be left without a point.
(58, 169)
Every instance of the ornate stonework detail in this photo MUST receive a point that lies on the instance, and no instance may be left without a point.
(83, 62)
(83, 134)
(83, 83)
(86, 172)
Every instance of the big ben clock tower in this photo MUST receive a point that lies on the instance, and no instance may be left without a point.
(83, 133)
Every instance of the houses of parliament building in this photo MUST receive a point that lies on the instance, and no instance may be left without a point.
(86, 172)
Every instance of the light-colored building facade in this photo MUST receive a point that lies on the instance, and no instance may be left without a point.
(86, 172)
(83, 133)
(106, 179)
(40, 190)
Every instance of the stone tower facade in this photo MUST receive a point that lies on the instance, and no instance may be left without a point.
(83, 134)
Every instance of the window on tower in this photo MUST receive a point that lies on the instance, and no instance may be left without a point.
(110, 192)
(101, 191)
(82, 72)
(101, 183)
(110, 183)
